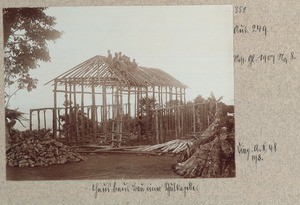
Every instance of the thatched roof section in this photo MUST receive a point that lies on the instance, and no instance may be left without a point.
(98, 70)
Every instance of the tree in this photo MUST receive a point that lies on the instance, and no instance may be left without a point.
(26, 33)
(151, 104)
(199, 99)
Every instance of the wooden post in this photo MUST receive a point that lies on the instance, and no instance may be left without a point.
(161, 125)
(104, 103)
(30, 120)
(59, 124)
(177, 124)
(171, 95)
(45, 124)
(171, 110)
(184, 100)
(194, 117)
(113, 116)
(154, 114)
(128, 102)
(71, 114)
(135, 103)
(76, 115)
(159, 97)
(138, 112)
(153, 89)
(117, 114)
(156, 127)
(96, 116)
(138, 102)
(121, 116)
(82, 112)
(147, 112)
(112, 100)
(39, 121)
(54, 120)
(181, 114)
(167, 112)
(93, 112)
(88, 122)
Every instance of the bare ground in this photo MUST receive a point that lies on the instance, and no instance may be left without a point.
(101, 166)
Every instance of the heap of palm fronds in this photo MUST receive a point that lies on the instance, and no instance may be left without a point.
(11, 118)
(211, 153)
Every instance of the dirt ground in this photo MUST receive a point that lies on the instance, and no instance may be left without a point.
(101, 166)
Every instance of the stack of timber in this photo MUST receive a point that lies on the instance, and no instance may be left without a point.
(37, 148)
(174, 146)
(211, 154)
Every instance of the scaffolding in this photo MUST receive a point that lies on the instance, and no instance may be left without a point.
(116, 91)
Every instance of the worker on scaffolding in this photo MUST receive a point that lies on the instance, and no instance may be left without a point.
(109, 59)
(117, 60)
(134, 64)
(116, 57)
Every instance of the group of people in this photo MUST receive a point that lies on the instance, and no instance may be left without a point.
(122, 62)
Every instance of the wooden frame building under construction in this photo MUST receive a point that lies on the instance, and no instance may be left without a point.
(100, 95)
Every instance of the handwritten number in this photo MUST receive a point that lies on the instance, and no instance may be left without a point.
(240, 9)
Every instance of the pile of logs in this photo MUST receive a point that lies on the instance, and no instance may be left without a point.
(211, 154)
(37, 148)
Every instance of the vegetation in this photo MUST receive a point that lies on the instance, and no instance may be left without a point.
(26, 34)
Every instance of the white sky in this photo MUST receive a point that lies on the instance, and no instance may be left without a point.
(192, 43)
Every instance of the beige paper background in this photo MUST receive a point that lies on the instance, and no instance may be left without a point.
(267, 104)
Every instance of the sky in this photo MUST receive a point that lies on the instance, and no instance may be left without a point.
(192, 43)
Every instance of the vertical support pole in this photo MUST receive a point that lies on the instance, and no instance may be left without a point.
(54, 118)
(96, 116)
(162, 138)
(153, 117)
(184, 100)
(147, 112)
(30, 120)
(113, 115)
(138, 102)
(59, 124)
(171, 105)
(167, 112)
(71, 114)
(194, 118)
(75, 115)
(45, 123)
(117, 114)
(181, 114)
(159, 106)
(154, 98)
(104, 103)
(93, 112)
(156, 126)
(88, 122)
(82, 112)
(66, 112)
(121, 115)
(128, 102)
(135, 102)
(159, 99)
(177, 124)
(185, 114)
(138, 113)
(39, 120)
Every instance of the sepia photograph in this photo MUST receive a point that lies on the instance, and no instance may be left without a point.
(119, 92)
